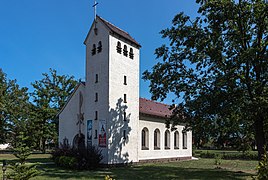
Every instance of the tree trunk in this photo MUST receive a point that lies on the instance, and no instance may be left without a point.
(259, 136)
(44, 146)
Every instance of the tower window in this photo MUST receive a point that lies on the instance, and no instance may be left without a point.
(99, 47)
(125, 98)
(93, 51)
(96, 97)
(125, 80)
(96, 115)
(96, 134)
(125, 116)
(118, 47)
(96, 78)
(125, 52)
(131, 54)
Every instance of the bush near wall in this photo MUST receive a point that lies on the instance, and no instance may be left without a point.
(229, 155)
(80, 159)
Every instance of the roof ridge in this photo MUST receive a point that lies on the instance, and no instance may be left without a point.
(113, 28)
(114, 25)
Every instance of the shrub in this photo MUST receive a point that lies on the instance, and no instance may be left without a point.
(68, 157)
(230, 155)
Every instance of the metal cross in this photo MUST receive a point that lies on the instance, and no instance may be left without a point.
(95, 9)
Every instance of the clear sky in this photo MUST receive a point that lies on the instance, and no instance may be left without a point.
(36, 35)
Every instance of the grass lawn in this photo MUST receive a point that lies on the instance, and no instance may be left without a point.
(196, 169)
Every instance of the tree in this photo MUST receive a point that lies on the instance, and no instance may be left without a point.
(21, 171)
(49, 96)
(217, 63)
(14, 109)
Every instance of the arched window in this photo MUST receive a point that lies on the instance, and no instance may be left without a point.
(118, 47)
(156, 139)
(167, 139)
(125, 52)
(99, 47)
(93, 51)
(184, 140)
(131, 54)
(145, 139)
(176, 140)
(79, 141)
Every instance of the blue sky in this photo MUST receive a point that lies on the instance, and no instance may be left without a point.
(36, 35)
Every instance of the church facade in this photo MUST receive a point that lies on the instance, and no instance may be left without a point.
(106, 111)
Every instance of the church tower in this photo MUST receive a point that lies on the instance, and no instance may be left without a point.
(112, 92)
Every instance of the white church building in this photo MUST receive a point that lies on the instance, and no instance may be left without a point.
(106, 111)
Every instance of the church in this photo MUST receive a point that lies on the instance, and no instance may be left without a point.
(106, 111)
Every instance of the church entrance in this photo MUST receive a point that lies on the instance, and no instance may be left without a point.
(79, 141)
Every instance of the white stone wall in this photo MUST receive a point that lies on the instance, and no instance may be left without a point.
(151, 123)
(97, 64)
(123, 150)
(68, 117)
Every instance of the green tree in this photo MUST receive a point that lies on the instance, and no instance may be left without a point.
(21, 171)
(14, 109)
(49, 96)
(217, 63)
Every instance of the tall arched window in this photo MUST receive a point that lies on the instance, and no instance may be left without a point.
(156, 139)
(118, 47)
(93, 51)
(167, 139)
(176, 140)
(131, 54)
(184, 140)
(125, 52)
(99, 47)
(145, 139)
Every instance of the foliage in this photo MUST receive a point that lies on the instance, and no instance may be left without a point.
(74, 158)
(216, 66)
(49, 96)
(23, 171)
(20, 170)
(262, 167)
(14, 109)
(224, 155)
(22, 151)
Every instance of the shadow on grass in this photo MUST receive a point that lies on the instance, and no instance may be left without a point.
(142, 172)
(155, 172)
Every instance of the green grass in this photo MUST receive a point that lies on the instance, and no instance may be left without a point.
(33, 158)
(196, 169)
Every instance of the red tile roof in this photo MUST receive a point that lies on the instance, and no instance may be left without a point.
(119, 31)
(153, 108)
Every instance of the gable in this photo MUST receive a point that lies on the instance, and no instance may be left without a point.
(113, 30)
(80, 86)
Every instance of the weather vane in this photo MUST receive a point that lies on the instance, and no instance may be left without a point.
(95, 8)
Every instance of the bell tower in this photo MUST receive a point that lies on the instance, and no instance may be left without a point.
(112, 92)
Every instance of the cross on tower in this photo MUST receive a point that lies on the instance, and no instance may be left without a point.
(95, 8)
